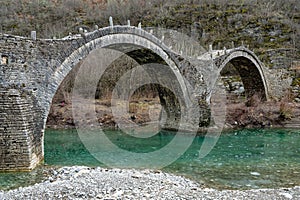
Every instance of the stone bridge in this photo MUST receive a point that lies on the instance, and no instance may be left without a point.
(32, 70)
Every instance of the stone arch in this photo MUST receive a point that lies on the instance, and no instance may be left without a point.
(122, 39)
(250, 69)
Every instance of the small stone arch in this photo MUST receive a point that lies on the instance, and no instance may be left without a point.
(250, 69)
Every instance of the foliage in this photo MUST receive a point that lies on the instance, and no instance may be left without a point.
(217, 18)
(253, 101)
(286, 109)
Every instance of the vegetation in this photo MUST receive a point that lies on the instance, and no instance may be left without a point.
(260, 24)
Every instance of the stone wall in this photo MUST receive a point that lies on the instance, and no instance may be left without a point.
(19, 148)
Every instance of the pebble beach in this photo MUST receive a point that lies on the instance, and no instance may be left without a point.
(80, 182)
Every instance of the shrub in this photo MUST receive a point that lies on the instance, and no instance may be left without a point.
(253, 101)
(286, 108)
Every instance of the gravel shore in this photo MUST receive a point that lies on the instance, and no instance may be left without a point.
(99, 183)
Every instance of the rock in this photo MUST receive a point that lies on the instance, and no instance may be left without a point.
(83, 171)
(54, 173)
(286, 195)
(118, 193)
(102, 183)
(255, 173)
(51, 179)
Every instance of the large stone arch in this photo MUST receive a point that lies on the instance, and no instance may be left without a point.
(127, 39)
(250, 69)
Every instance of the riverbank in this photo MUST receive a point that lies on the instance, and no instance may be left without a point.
(99, 183)
(238, 114)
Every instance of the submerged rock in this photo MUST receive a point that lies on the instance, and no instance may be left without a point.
(255, 173)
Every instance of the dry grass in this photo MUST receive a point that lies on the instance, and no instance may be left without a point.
(286, 106)
(257, 113)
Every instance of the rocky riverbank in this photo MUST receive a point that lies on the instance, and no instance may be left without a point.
(238, 114)
(99, 183)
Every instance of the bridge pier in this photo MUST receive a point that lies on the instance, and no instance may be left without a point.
(20, 148)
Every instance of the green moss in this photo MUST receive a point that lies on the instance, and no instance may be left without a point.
(231, 11)
(296, 82)
(244, 10)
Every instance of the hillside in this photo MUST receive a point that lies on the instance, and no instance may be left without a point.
(263, 25)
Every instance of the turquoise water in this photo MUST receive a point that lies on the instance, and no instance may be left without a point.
(244, 159)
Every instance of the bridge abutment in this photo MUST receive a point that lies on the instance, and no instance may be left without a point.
(20, 149)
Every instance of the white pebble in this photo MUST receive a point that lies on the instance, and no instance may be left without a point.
(255, 173)
(286, 195)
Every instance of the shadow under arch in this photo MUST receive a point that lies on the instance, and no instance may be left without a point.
(250, 70)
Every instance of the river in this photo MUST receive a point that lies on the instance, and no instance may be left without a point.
(241, 159)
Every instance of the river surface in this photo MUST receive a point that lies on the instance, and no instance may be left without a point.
(243, 159)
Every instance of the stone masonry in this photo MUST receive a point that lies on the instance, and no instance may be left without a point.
(32, 70)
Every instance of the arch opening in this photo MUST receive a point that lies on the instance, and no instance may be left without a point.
(232, 83)
(243, 76)
(251, 77)
(150, 94)
(243, 79)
